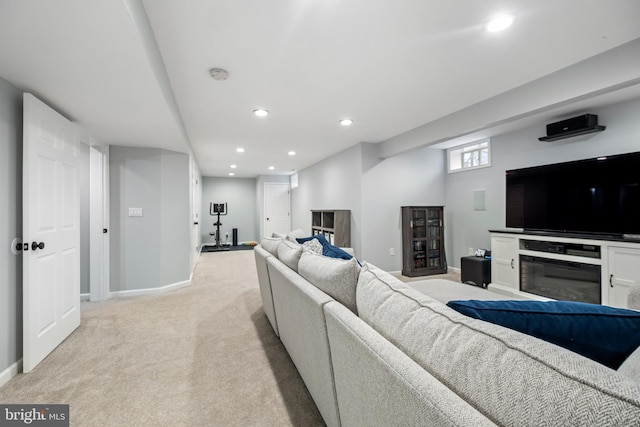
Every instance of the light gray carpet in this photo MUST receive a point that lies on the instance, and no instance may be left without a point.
(204, 355)
(446, 290)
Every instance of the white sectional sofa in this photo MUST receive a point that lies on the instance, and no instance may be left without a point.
(398, 357)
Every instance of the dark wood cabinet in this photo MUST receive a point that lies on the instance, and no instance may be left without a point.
(334, 224)
(423, 241)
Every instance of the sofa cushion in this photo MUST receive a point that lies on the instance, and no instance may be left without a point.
(631, 366)
(270, 244)
(336, 277)
(295, 234)
(607, 335)
(289, 253)
(510, 377)
(327, 248)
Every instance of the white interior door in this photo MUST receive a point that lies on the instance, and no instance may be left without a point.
(99, 222)
(276, 208)
(51, 229)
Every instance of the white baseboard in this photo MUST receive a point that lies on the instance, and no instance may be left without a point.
(453, 270)
(149, 291)
(85, 297)
(10, 372)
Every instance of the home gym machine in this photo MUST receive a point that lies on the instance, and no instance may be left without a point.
(217, 209)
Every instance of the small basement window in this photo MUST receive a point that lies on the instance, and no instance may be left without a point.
(470, 156)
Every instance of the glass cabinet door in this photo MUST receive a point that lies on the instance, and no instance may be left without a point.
(419, 227)
(434, 223)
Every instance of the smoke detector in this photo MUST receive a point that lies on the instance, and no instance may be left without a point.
(219, 74)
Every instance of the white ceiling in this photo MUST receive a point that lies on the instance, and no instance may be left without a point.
(391, 66)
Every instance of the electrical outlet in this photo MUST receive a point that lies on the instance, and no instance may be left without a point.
(392, 251)
(471, 251)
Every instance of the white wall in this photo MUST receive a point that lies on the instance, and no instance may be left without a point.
(374, 190)
(334, 183)
(83, 169)
(415, 178)
(240, 196)
(153, 250)
(10, 225)
(468, 228)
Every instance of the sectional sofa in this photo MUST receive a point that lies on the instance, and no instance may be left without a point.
(373, 351)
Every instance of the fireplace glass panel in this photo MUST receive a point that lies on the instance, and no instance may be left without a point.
(560, 280)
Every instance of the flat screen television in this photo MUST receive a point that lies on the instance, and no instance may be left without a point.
(592, 196)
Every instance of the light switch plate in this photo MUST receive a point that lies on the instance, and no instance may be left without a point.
(135, 211)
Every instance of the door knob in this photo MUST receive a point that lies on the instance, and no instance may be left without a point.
(35, 246)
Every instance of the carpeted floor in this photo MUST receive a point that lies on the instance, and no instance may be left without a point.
(203, 355)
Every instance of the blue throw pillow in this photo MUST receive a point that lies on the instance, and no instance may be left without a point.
(327, 248)
(607, 335)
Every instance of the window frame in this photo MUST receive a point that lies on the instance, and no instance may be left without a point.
(461, 150)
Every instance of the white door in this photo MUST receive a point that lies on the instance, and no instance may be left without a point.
(504, 262)
(51, 229)
(276, 208)
(624, 274)
(99, 222)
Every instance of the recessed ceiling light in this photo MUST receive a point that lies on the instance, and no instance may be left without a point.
(240, 150)
(233, 166)
(271, 168)
(291, 153)
(261, 112)
(231, 174)
(346, 122)
(499, 22)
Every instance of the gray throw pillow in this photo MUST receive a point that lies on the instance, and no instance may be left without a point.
(270, 245)
(337, 277)
(289, 253)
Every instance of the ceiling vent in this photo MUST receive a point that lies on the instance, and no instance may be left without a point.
(581, 125)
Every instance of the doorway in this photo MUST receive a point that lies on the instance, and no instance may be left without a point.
(277, 207)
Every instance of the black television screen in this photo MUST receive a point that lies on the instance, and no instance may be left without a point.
(600, 195)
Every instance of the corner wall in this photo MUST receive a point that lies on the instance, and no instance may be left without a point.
(373, 189)
(152, 250)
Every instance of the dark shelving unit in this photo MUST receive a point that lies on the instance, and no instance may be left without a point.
(423, 241)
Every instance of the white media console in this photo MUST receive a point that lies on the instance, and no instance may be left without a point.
(554, 266)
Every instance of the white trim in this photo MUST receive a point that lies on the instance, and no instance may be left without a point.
(454, 269)
(10, 372)
(85, 297)
(149, 291)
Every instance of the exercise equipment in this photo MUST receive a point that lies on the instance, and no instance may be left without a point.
(217, 209)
